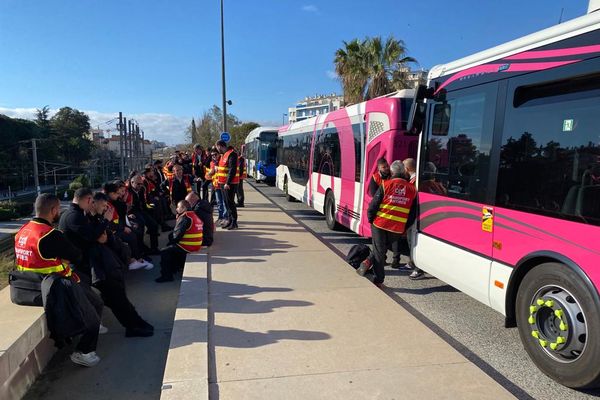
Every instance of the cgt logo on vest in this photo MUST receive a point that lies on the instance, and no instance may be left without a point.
(399, 196)
(23, 241)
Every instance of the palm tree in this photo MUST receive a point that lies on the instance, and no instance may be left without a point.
(372, 68)
(351, 70)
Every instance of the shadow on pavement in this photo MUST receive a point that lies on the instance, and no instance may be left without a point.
(223, 336)
(426, 290)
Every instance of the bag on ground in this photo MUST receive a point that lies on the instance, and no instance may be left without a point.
(357, 254)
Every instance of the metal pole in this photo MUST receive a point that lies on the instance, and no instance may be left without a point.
(138, 149)
(121, 145)
(223, 70)
(36, 177)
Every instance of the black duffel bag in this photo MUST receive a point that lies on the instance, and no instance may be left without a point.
(25, 288)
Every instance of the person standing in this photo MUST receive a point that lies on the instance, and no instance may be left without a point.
(41, 249)
(411, 170)
(382, 174)
(198, 166)
(185, 238)
(217, 192)
(243, 175)
(229, 179)
(178, 185)
(140, 209)
(390, 211)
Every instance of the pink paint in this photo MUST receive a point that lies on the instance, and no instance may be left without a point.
(527, 55)
(520, 234)
(495, 68)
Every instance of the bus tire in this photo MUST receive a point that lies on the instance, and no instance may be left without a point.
(559, 324)
(330, 211)
(285, 190)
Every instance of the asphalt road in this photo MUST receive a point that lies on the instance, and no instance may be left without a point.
(472, 328)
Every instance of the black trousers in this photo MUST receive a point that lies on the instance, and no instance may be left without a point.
(89, 339)
(132, 241)
(114, 297)
(240, 193)
(230, 202)
(146, 221)
(172, 259)
(382, 240)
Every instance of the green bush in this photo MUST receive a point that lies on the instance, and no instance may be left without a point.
(75, 185)
(83, 180)
(7, 214)
(24, 209)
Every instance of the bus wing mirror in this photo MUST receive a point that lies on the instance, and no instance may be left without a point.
(416, 119)
(441, 119)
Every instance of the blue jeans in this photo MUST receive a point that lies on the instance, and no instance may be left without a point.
(221, 204)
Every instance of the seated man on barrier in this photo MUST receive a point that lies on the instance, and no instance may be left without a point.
(108, 258)
(185, 238)
(71, 307)
(204, 211)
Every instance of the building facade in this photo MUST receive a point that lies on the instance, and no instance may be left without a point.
(313, 106)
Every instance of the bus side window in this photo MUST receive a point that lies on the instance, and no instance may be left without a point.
(458, 143)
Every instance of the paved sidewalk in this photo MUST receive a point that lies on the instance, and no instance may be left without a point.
(288, 319)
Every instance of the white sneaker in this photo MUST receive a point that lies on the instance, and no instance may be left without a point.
(136, 265)
(148, 265)
(102, 329)
(86, 359)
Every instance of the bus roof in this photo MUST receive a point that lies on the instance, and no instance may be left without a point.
(553, 34)
(257, 131)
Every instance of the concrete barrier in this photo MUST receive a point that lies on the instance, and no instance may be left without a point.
(25, 348)
(186, 370)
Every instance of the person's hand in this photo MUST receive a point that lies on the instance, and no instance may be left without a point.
(103, 238)
(127, 230)
(226, 187)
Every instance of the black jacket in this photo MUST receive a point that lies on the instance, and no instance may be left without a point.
(83, 234)
(204, 211)
(68, 310)
(232, 164)
(139, 201)
(56, 245)
(179, 189)
(181, 226)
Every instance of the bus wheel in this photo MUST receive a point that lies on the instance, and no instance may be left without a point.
(285, 190)
(329, 212)
(559, 325)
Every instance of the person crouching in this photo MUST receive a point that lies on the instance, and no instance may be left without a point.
(390, 212)
(185, 238)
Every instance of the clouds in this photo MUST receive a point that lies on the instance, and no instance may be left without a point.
(162, 127)
(331, 74)
(311, 8)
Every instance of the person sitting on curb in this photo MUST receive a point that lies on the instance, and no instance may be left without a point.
(204, 211)
(41, 249)
(185, 238)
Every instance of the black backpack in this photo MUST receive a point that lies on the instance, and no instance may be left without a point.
(357, 254)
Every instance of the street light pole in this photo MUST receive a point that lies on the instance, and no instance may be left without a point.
(283, 119)
(223, 70)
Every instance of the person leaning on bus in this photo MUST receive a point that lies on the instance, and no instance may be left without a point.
(390, 212)
(382, 174)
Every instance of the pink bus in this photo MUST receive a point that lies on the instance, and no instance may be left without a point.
(327, 161)
(509, 189)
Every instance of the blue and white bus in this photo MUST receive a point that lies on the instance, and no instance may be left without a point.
(260, 150)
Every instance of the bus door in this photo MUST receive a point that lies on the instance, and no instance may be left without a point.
(455, 218)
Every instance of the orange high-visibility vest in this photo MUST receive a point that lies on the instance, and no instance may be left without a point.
(223, 170)
(192, 238)
(215, 178)
(168, 170)
(27, 251)
(398, 196)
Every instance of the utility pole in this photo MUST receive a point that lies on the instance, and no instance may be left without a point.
(223, 70)
(129, 145)
(137, 140)
(36, 177)
(125, 147)
(143, 148)
(121, 147)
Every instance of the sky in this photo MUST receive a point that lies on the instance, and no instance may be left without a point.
(159, 61)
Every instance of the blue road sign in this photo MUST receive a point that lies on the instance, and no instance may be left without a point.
(225, 136)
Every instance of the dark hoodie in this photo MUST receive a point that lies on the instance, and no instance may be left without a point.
(203, 210)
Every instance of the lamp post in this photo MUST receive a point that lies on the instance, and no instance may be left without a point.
(283, 119)
(223, 70)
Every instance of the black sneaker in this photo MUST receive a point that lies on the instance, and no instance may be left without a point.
(162, 279)
(416, 274)
(138, 332)
(363, 268)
